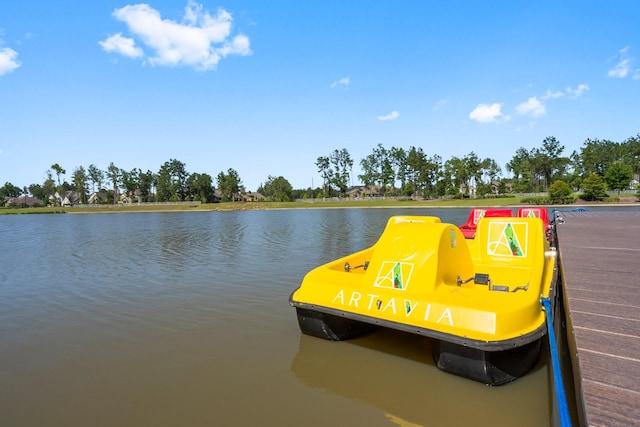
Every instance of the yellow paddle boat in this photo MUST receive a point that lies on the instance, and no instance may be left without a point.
(478, 299)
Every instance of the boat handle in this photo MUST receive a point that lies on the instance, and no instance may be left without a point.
(348, 267)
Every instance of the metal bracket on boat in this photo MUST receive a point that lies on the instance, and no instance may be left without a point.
(557, 217)
(483, 279)
(478, 279)
(348, 267)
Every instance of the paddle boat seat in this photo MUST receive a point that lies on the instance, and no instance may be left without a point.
(510, 251)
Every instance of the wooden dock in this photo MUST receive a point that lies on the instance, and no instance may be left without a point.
(600, 260)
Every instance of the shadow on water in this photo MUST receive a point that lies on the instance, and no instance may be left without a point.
(394, 372)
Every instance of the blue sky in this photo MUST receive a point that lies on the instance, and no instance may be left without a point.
(265, 87)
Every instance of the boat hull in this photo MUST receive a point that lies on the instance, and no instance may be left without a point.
(330, 327)
(488, 367)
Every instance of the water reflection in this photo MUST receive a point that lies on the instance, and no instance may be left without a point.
(394, 371)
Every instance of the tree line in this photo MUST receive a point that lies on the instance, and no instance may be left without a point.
(406, 172)
(171, 183)
(599, 164)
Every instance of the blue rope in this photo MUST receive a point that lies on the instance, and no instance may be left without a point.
(565, 419)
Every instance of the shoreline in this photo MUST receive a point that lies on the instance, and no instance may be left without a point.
(252, 206)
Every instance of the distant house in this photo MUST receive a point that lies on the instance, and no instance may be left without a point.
(23, 201)
(135, 197)
(253, 197)
(217, 195)
(67, 198)
(98, 197)
(360, 191)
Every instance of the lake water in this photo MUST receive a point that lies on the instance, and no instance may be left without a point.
(182, 319)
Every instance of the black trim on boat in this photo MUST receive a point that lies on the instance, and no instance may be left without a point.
(462, 341)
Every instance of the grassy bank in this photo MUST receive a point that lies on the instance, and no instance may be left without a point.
(315, 204)
(233, 206)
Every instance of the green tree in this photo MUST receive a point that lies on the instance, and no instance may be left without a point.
(323, 163)
(594, 187)
(229, 184)
(548, 161)
(534, 170)
(130, 182)
(10, 190)
(618, 176)
(114, 174)
(277, 189)
(59, 171)
(37, 191)
(560, 192)
(521, 168)
(80, 183)
(596, 155)
(369, 174)
(377, 168)
(631, 153)
(146, 181)
(431, 177)
(474, 169)
(398, 158)
(163, 184)
(386, 174)
(49, 188)
(96, 176)
(172, 181)
(201, 187)
(179, 176)
(457, 176)
(341, 163)
(491, 172)
(416, 161)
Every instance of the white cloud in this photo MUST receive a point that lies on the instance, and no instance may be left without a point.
(345, 81)
(532, 107)
(200, 40)
(620, 70)
(579, 91)
(122, 45)
(623, 64)
(440, 104)
(391, 116)
(485, 113)
(8, 60)
(552, 95)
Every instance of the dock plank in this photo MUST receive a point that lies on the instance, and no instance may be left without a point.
(587, 305)
(607, 405)
(599, 254)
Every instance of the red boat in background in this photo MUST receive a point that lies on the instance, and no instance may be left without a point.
(469, 228)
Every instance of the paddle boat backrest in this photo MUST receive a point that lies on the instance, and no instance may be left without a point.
(510, 250)
(469, 228)
(430, 252)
